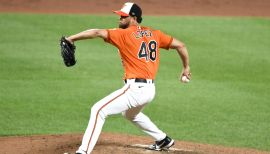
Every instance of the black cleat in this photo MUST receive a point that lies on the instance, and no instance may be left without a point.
(164, 144)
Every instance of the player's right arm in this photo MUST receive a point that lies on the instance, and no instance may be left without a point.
(167, 42)
(88, 34)
(183, 53)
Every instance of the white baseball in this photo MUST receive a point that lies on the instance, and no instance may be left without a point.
(185, 79)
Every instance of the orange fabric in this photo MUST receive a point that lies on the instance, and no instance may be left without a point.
(139, 49)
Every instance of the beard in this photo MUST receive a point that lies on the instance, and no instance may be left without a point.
(123, 25)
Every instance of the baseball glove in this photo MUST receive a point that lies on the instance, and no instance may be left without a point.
(67, 52)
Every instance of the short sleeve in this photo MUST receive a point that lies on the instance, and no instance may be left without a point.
(114, 36)
(164, 40)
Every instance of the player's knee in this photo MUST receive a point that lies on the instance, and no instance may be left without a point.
(94, 108)
(97, 111)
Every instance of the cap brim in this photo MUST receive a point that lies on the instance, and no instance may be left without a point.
(121, 13)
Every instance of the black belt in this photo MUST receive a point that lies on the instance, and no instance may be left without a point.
(140, 80)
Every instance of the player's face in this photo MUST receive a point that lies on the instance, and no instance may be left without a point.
(124, 22)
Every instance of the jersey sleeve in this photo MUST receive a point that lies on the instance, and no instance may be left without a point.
(164, 40)
(114, 36)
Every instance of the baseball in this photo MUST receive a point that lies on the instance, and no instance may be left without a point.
(185, 79)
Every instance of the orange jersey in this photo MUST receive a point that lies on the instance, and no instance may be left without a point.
(139, 49)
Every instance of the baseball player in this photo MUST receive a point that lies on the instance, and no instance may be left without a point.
(138, 47)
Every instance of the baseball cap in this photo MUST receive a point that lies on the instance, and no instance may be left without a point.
(130, 9)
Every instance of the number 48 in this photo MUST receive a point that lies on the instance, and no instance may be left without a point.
(148, 51)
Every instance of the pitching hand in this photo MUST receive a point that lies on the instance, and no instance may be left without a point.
(185, 75)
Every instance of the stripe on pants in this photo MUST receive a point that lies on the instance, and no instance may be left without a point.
(100, 110)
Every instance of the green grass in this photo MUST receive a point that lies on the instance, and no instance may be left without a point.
(226, 103)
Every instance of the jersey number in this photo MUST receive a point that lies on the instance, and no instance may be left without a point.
(148, 51)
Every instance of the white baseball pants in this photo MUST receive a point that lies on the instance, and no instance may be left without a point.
(129, 101)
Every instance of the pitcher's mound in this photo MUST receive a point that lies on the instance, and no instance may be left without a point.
(108, 143)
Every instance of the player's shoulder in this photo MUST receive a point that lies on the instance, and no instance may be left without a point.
(115, 29)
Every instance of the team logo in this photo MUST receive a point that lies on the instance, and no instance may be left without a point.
(141, 33)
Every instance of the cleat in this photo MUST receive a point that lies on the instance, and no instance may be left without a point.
(164, 144)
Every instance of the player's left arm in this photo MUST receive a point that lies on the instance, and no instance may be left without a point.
(183, 53)
(88, 34)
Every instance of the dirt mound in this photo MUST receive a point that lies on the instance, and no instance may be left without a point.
(108, 143)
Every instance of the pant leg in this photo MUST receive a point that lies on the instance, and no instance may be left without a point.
(143, 122)
(114, 103)
(132, 95)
